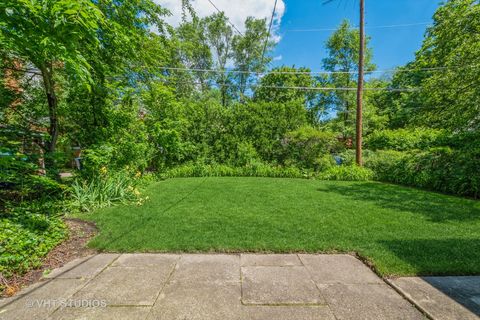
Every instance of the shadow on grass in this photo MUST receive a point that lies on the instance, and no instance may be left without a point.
(436, 207)
(438, 257)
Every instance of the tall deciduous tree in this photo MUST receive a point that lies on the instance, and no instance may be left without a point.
(132, 49)
(50, 35)
(220, 38)
(342, 59)
(247, 50)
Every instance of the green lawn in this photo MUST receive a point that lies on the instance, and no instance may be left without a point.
(402, 231)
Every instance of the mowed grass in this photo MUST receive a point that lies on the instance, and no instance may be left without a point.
(401, 231)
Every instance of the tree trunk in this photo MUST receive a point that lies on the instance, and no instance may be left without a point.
(48, 83)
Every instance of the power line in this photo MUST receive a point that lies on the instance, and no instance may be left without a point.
(367, 27)
(269, 30)
(306, 88)
(213, 4)
(315, 72)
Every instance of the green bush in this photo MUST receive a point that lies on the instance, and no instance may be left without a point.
(347, 173)
(403, 139)
(246, 155)
(324, 163)
(253, 170)
(441, 169)
(386, 164)
(305, 146)
(95, 159)
(462, 140)
(104, 190)
(20, 179)
(264, 125)
(124, 156)
(348, 156)
(29, 208)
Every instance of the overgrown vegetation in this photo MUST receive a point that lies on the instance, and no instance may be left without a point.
(109, 87)
(26, 238)
(104, 190)
(252, 170)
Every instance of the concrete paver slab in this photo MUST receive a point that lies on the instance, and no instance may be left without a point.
(127, 286)
(87, 267)
(40, 300)
(368, 301)
(288, 313)
(200, 302)
(108, 313)
(203, 287)
(443, 297)
(338, 268)
(144, 259)
(208, 269)
(274, 260)
(278, 285)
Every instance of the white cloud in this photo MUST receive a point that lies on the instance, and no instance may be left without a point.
(278, 58)
(237, 11)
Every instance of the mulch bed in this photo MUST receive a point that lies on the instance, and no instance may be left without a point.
(72, 248)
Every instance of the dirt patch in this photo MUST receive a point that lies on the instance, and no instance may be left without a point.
(80, 232)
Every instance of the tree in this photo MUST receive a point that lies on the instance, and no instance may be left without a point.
(193, 51)
(247, 52)
(51, 36)
(343, 57)
(220, 37)
(133, 47)
(445, 71)
(289, 84)
(210, 43)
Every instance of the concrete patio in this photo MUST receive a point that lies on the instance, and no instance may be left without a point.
(220, 286)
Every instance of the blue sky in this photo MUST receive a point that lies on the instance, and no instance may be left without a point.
(391, 46)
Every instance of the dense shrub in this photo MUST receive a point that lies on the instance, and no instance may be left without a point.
(385, 164)
(462, 140)
(132, 155)
(253, 170)
(246, 155)
(29, 208)
(348, 156)
(306, 146)
(264, 125)
(20, 179)
(324, 163)
(403, 139)
(347, 173)
(441, 169)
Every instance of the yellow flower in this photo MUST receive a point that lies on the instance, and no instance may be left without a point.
(138, 174)
(103, 170)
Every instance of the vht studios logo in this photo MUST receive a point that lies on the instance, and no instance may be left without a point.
(55, 303)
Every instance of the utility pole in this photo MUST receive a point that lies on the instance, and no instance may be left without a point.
(359, 122)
